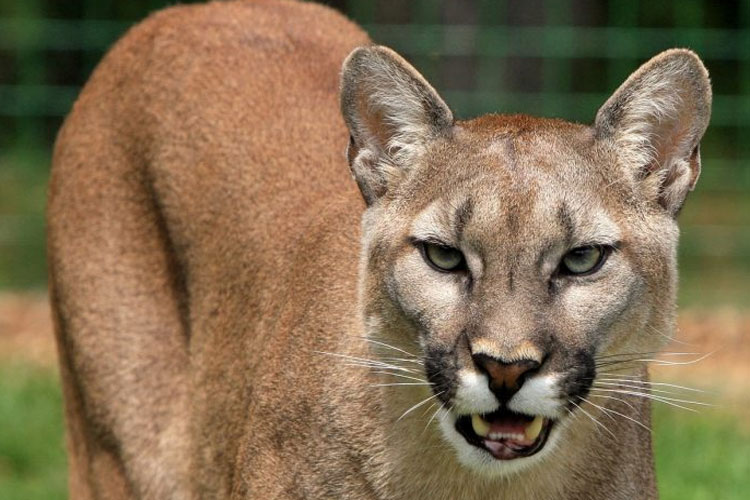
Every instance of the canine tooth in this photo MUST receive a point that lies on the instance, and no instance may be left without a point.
(534, 428)
(481, 427)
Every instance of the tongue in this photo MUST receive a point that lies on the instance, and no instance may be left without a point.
(506, 448)
(508, 424)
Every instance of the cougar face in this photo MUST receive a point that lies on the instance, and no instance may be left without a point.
(517, 256)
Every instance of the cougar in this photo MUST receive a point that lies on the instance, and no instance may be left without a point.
(237, 318)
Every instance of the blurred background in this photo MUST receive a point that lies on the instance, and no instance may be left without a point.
(554, 58)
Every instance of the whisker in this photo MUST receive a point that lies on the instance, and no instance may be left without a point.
(656, 361)
(665, 363)
(367, 363)
(388, 346)
(399, 375)
(609, 410)
(402, 383)
(599, 407)
(609, 364)
(599, 424)
(671, 338)
(415, 361)
(424, 401)
(615, 399)
(353, 358)
(432, 417)
(392, 368)
(645, 353)
(660, 384)
(627, 385)
(623, 376)
(660, 399)
(618, 370)
(427, 410)
(639, 358)
(437, 412)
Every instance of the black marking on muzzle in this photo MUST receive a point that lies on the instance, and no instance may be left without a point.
(440, 368)
(577, 382)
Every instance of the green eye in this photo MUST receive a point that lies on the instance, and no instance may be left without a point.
(584, 260)
(443, 258)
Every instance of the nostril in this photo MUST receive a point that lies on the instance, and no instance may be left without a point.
(505, 379)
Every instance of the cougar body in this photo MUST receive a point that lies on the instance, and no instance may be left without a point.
(234, 313)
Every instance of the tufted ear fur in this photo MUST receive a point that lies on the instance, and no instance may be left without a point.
(656, 120)
(391, 112)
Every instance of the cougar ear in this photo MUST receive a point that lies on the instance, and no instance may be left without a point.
(391, 112)
(656, 120)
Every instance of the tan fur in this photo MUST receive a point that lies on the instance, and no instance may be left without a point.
(207, 246)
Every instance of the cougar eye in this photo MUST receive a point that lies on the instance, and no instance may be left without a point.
(443, 258)
(584, 260)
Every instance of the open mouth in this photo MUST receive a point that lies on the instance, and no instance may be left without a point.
(505, 434)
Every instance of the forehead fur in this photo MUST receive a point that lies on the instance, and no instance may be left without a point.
(518, 166)
(511, 150)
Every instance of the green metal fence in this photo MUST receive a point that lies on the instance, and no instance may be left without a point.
(550, 57)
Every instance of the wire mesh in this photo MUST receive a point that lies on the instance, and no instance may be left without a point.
(557, 58)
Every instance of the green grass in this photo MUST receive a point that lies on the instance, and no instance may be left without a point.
(702, 456)
(32, 449)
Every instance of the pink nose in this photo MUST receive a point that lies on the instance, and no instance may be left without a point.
(505, 378)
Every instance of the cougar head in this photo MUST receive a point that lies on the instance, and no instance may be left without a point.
(520, 256)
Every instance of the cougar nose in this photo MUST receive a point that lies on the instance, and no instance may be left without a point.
(505, 378)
